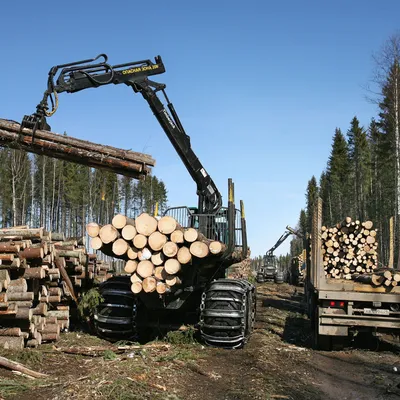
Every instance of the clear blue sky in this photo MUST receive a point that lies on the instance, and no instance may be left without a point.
(260, 86)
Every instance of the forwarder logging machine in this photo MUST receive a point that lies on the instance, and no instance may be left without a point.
(223, 308)
(268, 271)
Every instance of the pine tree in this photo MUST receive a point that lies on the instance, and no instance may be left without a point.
(338, 175)
(359, 153)
(311, 198)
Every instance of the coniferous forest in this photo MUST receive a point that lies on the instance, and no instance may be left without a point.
(62, 196)
(362, 174)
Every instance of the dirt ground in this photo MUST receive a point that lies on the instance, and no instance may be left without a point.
(277, 363)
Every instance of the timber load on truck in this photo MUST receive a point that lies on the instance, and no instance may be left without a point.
(346, 293)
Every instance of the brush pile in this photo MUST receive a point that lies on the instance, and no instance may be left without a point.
(41, 274)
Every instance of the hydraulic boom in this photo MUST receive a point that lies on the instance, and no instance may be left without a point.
(96, 72)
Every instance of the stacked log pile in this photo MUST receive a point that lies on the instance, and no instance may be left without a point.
(157, 252)
(296, 267)
(125, 162)
(241, 270)
(41, 273)
(349, 249)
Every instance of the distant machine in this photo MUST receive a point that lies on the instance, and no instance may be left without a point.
(268, 272)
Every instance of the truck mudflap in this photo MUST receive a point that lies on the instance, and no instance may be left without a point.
(227, 313)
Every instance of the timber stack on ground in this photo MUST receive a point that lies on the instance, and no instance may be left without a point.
(350, 252)
(124, 162)
(159, 254)
(297, 267)
(41, 274)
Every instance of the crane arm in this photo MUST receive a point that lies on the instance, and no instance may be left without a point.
(92, 73)
(285, 235)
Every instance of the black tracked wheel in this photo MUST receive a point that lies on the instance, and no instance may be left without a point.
(115, 318)
(227, 313)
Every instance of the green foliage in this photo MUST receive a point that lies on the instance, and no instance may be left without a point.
(109, 355)
(147, 193)
(63, 197)
(10, 387)
(186, 336)
(311, 198)
(88, 303)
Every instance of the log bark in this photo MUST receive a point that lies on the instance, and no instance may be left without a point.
(10, 343)
(71, 153)
(34, 273)
(133, 156)
(22, 233)
(17, 285)
(10, 332)
(9, 247)
(15, 366)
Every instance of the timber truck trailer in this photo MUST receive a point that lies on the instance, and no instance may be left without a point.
(339, 308)
(224, 309)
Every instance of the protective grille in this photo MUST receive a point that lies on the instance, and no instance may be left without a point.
(211, 226)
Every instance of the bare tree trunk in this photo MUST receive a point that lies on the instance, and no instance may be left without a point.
(32, 196)
(397, 143)
(14, 199)
(51, 227)
(43, 207)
